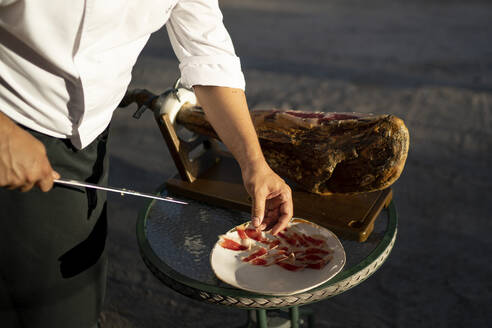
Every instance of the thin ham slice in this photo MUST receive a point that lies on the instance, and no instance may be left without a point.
(292, 249)
(232, 245)
(290, 267)
(258, 253)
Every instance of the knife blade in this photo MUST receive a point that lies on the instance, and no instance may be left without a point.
(120, 191)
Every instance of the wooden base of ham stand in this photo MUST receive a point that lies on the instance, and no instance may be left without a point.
(215, 178)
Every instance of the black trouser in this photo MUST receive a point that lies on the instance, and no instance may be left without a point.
(52, 260)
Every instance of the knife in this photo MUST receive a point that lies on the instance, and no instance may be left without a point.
(117, 190)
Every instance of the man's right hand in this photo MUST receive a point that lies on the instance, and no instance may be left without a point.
(23, 160)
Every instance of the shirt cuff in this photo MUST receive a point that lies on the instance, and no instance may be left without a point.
(221, 70)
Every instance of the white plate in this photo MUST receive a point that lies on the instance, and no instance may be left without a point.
(275, 280)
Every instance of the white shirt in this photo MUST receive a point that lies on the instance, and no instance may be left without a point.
(66, 64)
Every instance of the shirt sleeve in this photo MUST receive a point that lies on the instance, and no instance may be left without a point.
(203, 45)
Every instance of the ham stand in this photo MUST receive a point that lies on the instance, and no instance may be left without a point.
(209, 174)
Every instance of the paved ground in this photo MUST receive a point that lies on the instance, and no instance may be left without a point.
(428, 62)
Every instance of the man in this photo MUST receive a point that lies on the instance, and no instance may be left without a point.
(64, 67)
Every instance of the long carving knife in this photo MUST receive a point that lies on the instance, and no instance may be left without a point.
(120, 191)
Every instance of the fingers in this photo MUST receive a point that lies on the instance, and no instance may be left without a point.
(45, 183)
(270, 219)
(274, 203)
(275, 221)
(282, 223)
(266, 205)
(258, 208)
(42, 178)
(23, 161)
(272, 198)
(26, 187)
(279, 211)
(284, 214)
(285, 211)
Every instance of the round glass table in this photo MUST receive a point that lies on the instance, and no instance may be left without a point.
(175, 242)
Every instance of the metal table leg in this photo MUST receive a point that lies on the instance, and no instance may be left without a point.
(261, 318)
(294, 317)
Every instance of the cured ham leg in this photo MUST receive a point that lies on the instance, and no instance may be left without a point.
(324, 153)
